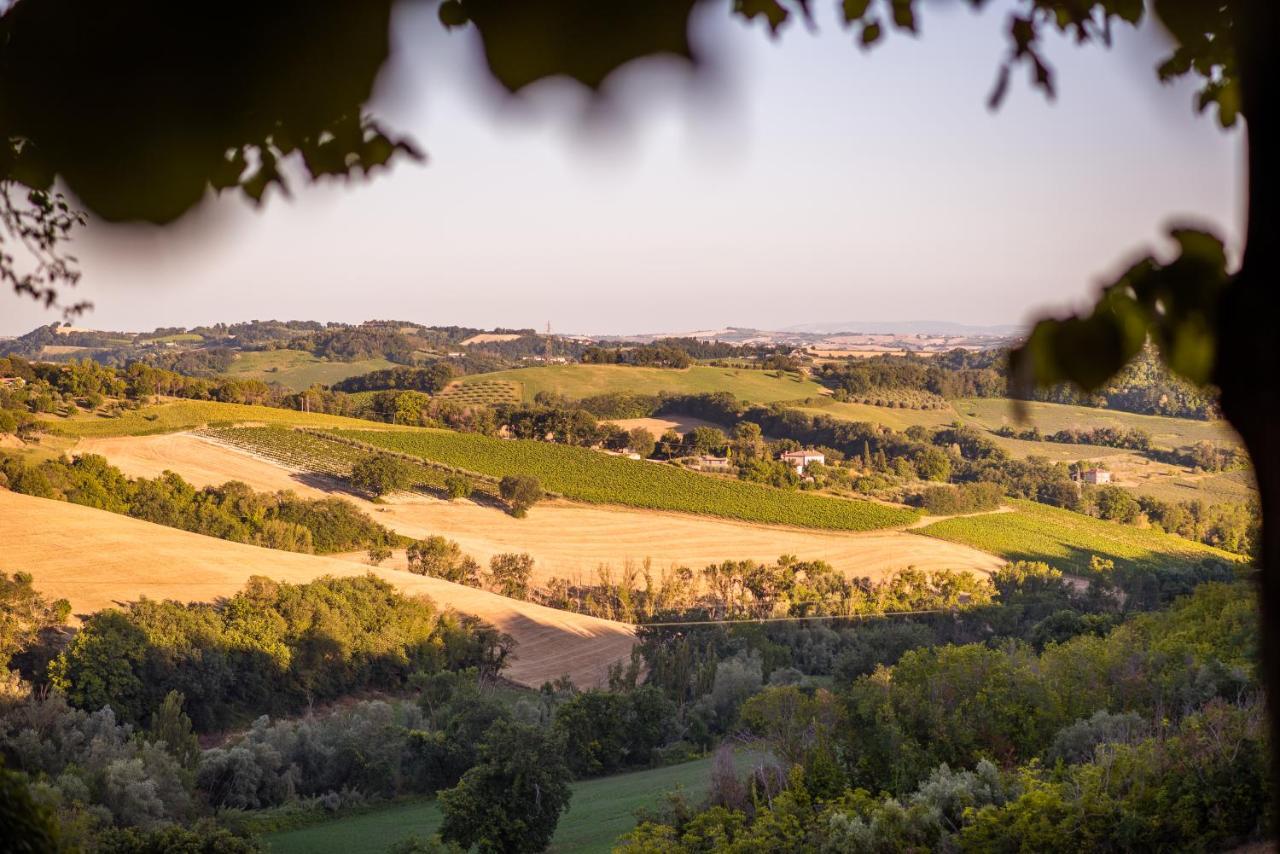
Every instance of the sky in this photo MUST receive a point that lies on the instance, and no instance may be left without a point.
(792, 181)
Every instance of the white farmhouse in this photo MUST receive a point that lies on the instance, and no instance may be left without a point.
(798, 460)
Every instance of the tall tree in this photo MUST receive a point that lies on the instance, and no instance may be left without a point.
(511, 800)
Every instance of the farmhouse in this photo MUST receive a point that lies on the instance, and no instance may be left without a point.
(706, 462)
(1095, 476)
(799, 459)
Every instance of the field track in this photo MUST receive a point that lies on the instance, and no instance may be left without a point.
(98, 559)
(565, 539)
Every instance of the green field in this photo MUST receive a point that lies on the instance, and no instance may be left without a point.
(579, 381)
(586, 475)
(993, 413)
(600, 812)
(297, 370)
(1067, 540)
(895, 419)
(189, 414)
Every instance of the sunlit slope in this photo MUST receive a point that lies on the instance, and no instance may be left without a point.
(97, 559)
(1068, 540)
(579, 381)
(565, 539)
(177, 415)
(993, 413)
(586, 475)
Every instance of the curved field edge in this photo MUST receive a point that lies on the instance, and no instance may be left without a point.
(180, 415)
(590, 476)
(1067, 540)
(578, 381)
(97, 559)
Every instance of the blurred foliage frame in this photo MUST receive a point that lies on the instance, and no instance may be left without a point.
(141, 109)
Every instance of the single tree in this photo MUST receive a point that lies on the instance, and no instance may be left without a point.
(511, 801)
(641, 442)
(378, 474)
(520, 492)
(378, 552)
(441, 558)
(509, 574)
(171, 725)
(457, 486)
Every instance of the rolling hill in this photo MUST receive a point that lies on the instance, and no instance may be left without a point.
(565, 539)
(579, 381)
(97, 559)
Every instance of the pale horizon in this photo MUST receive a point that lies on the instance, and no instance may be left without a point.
(802, 180)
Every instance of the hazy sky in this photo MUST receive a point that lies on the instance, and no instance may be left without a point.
(803, 180)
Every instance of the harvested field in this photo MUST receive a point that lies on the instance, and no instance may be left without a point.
(565, 539)
(661, 424)
(97, 559)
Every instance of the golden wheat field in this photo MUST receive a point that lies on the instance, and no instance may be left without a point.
(565, 539)
(97, 559)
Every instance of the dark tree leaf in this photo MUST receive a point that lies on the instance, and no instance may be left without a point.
(527, 40)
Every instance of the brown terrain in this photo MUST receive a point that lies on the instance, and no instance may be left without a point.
(97, 559)
(565, 539)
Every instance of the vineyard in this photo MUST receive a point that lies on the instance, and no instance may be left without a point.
(1067, 540)
(329, 455)
(586, 475)
(484, 392)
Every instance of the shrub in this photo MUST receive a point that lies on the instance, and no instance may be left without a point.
(378, 474)
(509, 574)
(457, 486)
(440, 558)
(520, 492)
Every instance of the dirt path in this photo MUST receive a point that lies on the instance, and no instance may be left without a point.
(926, 521)
(97, 559)
(565, 539)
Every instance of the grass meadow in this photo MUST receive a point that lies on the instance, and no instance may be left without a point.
(1066, 540)
(174, 416)
(601, 810)
(579, 381)
(297, 370)
(993, 413)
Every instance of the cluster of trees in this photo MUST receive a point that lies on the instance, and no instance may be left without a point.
(509, 574)
(1133, 438)
(1151, 733)
(642, 355)
(430, 379)
(271, 648)
(1145, 386)
(341, 343)
(963, 498)
(233, 511)
(735, 589)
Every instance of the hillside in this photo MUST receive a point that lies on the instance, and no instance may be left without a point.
(173, 416)
(993, 413)
(583, 474)
(565, 539)
(579, 381)
(1068, 540)
(97, 559)
(297, 370)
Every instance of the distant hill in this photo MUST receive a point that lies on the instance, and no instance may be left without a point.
(904, 327)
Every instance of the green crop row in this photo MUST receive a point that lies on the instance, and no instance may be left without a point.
(586, 475)
(317, 452)
(1067, 540)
